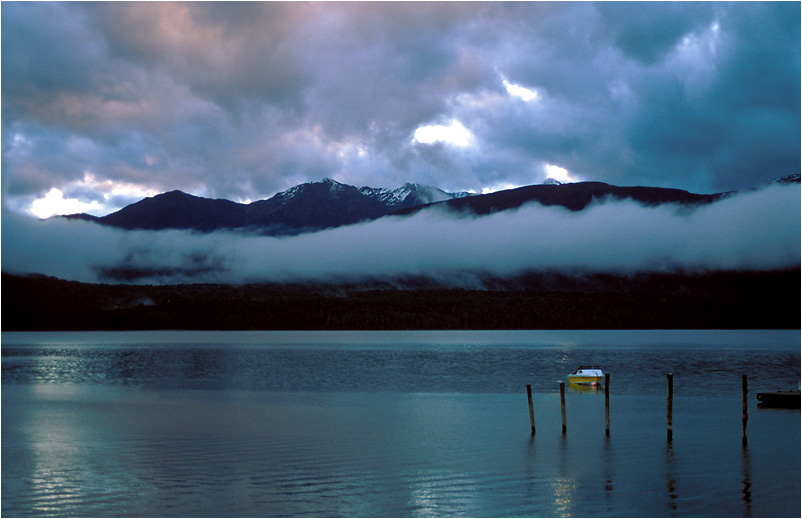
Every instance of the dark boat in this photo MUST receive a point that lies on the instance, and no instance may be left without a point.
(785, 399)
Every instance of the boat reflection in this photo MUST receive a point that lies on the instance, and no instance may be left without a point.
(586, 388)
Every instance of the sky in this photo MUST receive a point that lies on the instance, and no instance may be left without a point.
(106, 103)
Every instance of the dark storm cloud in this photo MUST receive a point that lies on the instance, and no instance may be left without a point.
(649, 31)
(242, 99)
(752, 230)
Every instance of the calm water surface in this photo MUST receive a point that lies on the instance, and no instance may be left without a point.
(394, 424)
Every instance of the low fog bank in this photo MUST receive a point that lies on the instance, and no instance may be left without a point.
(755, 230)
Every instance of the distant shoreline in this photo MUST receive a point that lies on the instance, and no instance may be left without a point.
(715, 300)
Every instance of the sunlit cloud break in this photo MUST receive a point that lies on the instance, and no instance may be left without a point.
(454, 133)
(558, 173)
(114, 194)
(752, 230)
(54, 203)
(520, 91)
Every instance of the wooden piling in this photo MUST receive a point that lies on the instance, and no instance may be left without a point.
(607, 404)
(562, 403)
(744, 413)
(670, 406)
(531, 409)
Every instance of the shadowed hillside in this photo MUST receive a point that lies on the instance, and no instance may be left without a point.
(722, 300)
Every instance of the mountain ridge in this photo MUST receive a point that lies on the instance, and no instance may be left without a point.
(327, 203)
(306, 207)
(574, 196)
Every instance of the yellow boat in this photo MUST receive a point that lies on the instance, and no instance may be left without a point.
(586, 376)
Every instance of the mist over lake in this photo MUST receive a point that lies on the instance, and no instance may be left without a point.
(753, 230)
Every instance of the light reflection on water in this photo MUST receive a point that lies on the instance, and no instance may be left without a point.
(698, 359)
(391, 430)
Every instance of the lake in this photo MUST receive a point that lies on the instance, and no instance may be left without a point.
(395, 424)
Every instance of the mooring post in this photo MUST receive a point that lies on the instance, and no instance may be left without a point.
(562, 403)
(607, 404)
(531, 409)
(744, 413)
(670, 383)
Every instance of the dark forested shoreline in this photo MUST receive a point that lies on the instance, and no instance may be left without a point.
(717, 300)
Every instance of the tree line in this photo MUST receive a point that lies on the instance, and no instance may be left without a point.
(717, 300)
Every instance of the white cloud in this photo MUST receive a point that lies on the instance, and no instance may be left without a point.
(107, 196)
(558, 173)
(520, 91)
(499, 187)
(454, 133)
(54, 203)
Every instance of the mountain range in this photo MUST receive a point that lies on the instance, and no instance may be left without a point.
(327, 203)
(307, 207)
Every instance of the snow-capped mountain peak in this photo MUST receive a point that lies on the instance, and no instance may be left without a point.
(329, 184)
(332, 184)
(408, 195)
